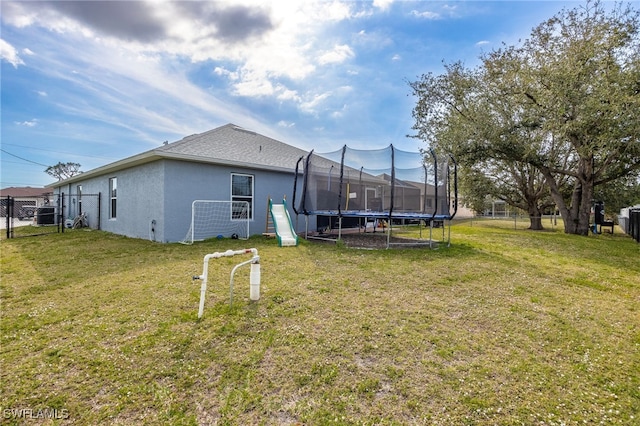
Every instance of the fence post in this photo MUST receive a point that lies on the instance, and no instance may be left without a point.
(634, 224)
(61, 210)
(9, 216)
(99, 211)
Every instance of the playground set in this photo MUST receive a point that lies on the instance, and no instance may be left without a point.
(347, 191)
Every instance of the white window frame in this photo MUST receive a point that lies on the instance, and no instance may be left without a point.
(248, 198)
(113, 198)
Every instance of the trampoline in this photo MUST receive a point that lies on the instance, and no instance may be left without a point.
(352, 189)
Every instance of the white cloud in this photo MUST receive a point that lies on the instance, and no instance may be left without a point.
(396, 57)
(42, 93)
(426, 15)
(274, 40)
(310, 106)
(28, 51)
(339, 54)
(119, 79)
(373, 40)
(226, 73)
(31, 123)
(286, 124)
(291, 46)
(326, 11)
(382, 4)
(450, 8)
(9, 54)
(482, 43)
(340, 113)
(253, 83)
(285, 94)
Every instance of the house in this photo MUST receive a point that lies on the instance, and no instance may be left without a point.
(25, 192)
(26, 200)
(150, 195)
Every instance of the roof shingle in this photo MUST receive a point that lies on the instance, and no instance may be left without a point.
(24, 192)
(226, 145)
(235, 145)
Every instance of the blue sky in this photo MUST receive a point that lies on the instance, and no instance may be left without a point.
(95, 82)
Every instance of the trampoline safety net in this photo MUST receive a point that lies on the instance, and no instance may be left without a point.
(385, 182)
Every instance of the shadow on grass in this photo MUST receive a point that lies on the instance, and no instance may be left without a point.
(83, 254)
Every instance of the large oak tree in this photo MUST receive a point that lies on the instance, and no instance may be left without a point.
(463, 113)
(565, 101)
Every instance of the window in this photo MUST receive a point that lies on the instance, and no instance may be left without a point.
(113, 186)
(79, 195)
(242, 190)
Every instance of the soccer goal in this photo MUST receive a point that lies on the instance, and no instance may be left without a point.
(218, 219)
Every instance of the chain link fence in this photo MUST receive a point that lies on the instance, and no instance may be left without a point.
(79, 211)
(515, 221)
(29, 216)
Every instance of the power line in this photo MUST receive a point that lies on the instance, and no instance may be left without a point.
(23, 159)
(5, 184)
(19, 162)
(61, 152)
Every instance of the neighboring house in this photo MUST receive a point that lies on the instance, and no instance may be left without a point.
(154, 190)
(26, 200)
(624, 219)
(25, 192)
(423, 201)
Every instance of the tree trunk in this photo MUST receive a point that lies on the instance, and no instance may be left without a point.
(535, 218)
(584, 211)
(576, 214)
(536, 223)
(572, 222)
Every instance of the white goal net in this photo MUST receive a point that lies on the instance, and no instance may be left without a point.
(218, 219)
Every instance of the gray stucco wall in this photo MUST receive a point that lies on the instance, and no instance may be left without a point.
(186, 182)
(154, 199)
(162, 192)
(139, 200)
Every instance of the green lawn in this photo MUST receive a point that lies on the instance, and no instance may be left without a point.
(506, 326)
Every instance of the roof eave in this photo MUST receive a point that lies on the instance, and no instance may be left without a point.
(135, 160)
(154, 155)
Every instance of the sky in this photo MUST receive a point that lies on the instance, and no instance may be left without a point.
(93, 82)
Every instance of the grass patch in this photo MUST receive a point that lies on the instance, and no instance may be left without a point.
(506, 326)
